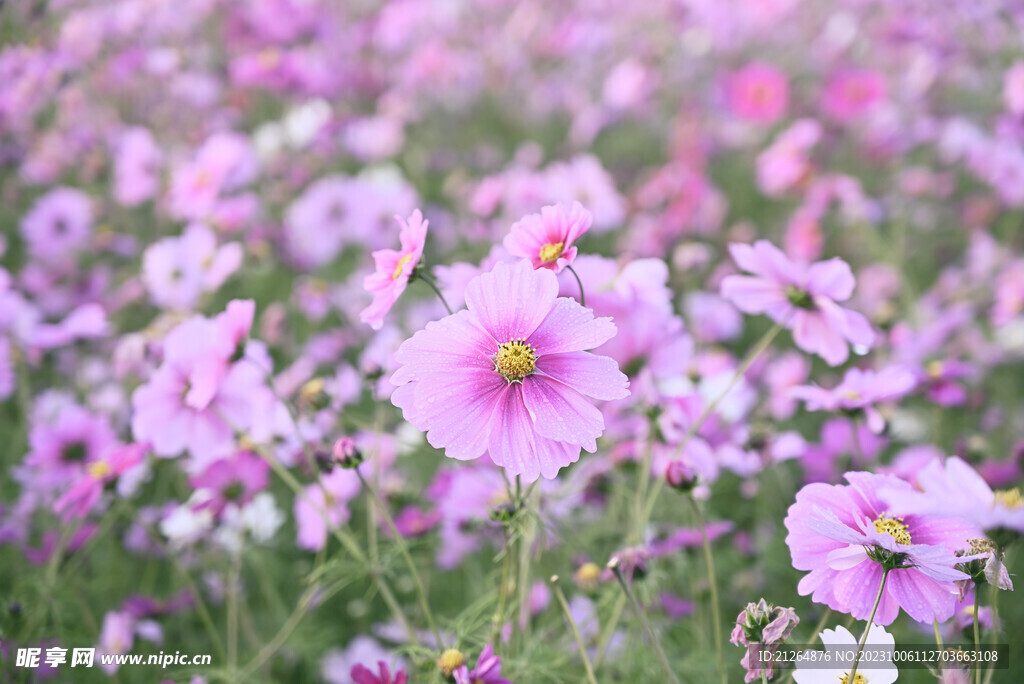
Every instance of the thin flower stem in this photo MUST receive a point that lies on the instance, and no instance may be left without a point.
(575, 630)
(346, 541)
(744, 366)
(422, 275)
(994, 590)
(499, 616)
(234, 577)
(977, 640)
(583, 296)
(404, 549)
(867, 628)
(609, 630)
(716, 611)
(613, 565)
(938, 634)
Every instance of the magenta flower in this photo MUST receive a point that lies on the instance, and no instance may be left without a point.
(547, 238)
(847, 537)
(388, 282)
(509, 376)
(362, 675)
(859, 391)
(801, 296)
(852, 93)
(236, 480)
(758, 93)
(487, 670)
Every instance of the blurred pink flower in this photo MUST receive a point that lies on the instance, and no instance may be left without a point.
(547, 239)
(509, 376)
(801, 296)
(487, 670)
(758, 93)
(1013, 89)
(393, 269)
(860, 390)
(177, 271)
(58, 226)
(785, 162)
(362, 675)
(137, 160)
(853, 92)
(85, 490)
(324, 504)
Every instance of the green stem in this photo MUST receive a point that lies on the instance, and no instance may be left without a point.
(871, 619)
(234, 577)
(575, 630)
(994, 590)
(506, 563)
(422, 275)
(583, 296)
(716, 612)
(404, 549)
(613, 565)
(977, 640)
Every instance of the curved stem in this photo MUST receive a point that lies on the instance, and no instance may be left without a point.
(422, 275)
(716, 613)
(871, 619)
(583, 296)
(575, 630)
(639, 611)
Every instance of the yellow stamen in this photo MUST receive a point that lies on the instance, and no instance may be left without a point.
(1010, 498)
(893, 527)
(99, 469)
(851, 395)
(551, 252)
(450, 660)
(857, 679)
(515, 360)
(406, 258)
(934, 369)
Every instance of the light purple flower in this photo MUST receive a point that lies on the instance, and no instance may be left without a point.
(859, 391)
(801, 296)
(487, 670)
(58, 226)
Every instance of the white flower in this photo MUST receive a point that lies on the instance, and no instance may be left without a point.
(262, 517)
(811, 670)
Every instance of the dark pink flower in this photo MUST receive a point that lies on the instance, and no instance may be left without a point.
(758, 93)
(361, 675)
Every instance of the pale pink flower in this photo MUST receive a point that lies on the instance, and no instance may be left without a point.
(393, 269)
(758, 93)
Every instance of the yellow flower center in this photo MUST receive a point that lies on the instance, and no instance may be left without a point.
(515, 360)
(406, 258)
(450, 660)
(893, 527)
(1010, 498)
(550, 252)
(857, 679)
(99, 469)
(852, 395)
(935, 369)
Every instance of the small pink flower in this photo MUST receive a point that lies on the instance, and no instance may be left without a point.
(393, 269)
(547, 238)
(487, 670)
(800, 295)
(852, 93)
(758, 93)
(1013, 89)
(786, 163)
(509, 376)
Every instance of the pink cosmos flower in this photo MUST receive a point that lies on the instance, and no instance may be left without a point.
(200, 395)
(393, 269)
(547, 238)
(801, 296)
(852, 93)
(324, 502)
(509, 376)
(758, 93)
(177, 271)
(85, 491)
(64, 445)
(232, 480)
(487, 670)
(859, 391)
(58, 225)
(136, 167)
(1013, 89)
(847, 536)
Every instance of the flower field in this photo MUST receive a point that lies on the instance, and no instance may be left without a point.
(494, 342)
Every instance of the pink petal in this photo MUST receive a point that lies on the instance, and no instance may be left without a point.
(923, 598)
(511, 301)
(457, 411)
(570, 327)
(561, 413)
(754, 295)
(445, 346)
(832, 278)
(515, 445)
(590, 374)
